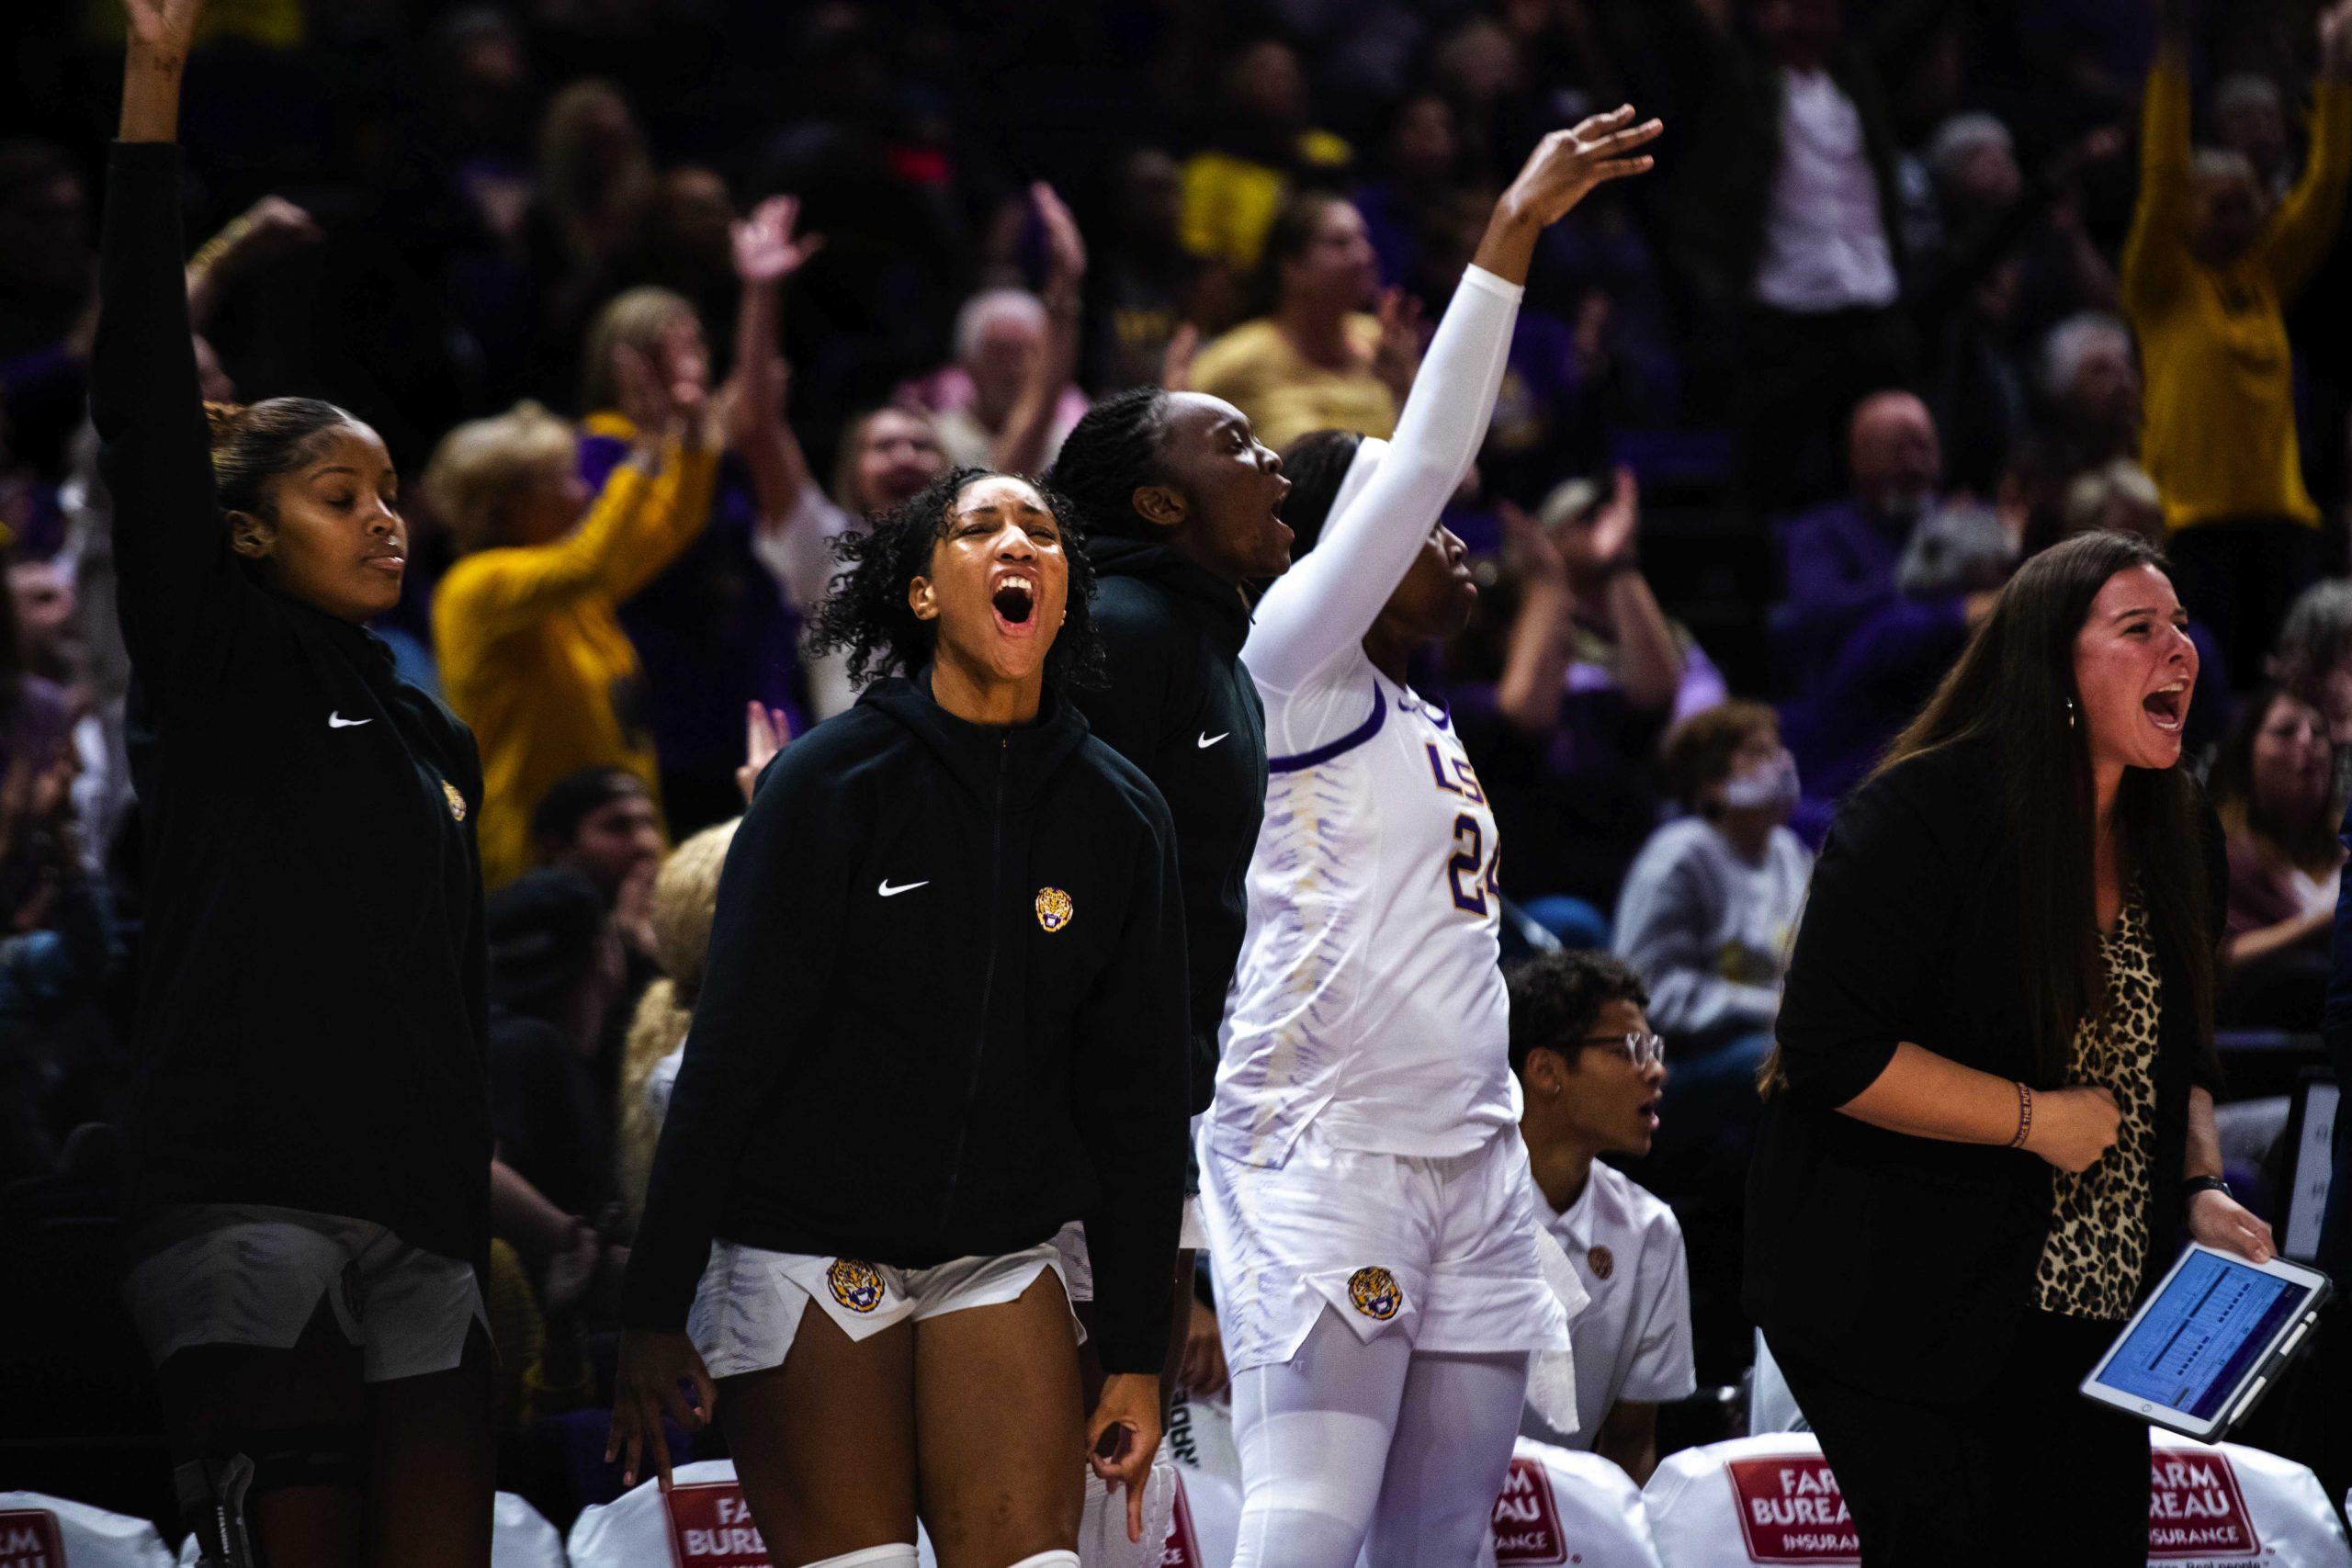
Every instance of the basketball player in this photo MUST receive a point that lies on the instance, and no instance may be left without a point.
(944, 1014)
(1370, 1213)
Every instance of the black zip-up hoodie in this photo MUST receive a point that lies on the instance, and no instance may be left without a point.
(943, 1017)
(1182, 707)
(311, 1010)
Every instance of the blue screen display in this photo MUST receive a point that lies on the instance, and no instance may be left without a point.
(2201, 1334)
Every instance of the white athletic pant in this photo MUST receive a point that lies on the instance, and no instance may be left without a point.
(1347, 1439)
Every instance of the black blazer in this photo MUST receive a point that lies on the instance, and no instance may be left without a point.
(1907, 1263)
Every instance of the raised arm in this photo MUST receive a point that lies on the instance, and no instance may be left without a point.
(766, 254)
(172, 558)
(2306, 222)
(2157, 252)
(1325, 605)
(1029, 430)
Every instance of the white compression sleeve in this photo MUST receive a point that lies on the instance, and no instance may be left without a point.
(1313, 1436)
(1448, 1460)
(1323, 606)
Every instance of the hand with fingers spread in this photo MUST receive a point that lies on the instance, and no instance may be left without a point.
(646, 1386)
(1122, 1435)
(1563, 170)
(766, 731)
(766, 249)
(1568, 164)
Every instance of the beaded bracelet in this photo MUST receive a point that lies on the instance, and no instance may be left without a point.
(2025, 1116)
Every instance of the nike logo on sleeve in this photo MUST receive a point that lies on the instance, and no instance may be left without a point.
(1207, 741)
(336, 721)
(888, 891)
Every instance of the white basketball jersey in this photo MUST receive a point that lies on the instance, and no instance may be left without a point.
(1369, 997)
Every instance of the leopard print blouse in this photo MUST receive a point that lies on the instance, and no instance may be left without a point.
(2099, 1235)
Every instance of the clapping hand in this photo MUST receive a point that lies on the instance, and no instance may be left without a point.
(1065, 246)
(766, 731)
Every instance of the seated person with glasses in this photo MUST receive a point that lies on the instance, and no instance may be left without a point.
(1592, 1073)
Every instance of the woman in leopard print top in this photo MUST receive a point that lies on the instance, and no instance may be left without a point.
(1994, 1077)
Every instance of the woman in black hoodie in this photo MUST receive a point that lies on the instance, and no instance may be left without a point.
(944, 1015)
(311, 1141)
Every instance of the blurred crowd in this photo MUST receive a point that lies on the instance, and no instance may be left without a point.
(1921, 286)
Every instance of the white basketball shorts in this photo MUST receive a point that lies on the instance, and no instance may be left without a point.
(1439, 1250)
(748, 1306)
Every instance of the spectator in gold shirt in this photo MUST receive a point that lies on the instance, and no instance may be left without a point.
(532, 652)
(1316, 358)
(2208, 271)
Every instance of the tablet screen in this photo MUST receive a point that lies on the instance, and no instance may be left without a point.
(2197, 1339)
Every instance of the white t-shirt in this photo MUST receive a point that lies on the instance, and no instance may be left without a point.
(1824, 240)
(1634, 1341)
(1368, 998)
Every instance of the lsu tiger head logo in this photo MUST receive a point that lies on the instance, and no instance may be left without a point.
(456, 801)
(1054, 909)
(1376, 1293)
(857, 1286)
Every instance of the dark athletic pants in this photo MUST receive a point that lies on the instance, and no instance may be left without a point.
(2029, 1472)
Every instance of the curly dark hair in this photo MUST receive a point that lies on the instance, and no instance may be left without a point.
(1554, 997)
(865, 614)
(1111, 453)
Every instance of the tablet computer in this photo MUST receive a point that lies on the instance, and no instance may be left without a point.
(2210, 1342)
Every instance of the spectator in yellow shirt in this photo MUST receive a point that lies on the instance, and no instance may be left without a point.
(2207, 273)
(1316, 359)
(1232, 191)
(532, 653)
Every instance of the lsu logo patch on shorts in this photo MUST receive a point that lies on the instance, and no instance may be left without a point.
(857, 1286)
(1376, 1293)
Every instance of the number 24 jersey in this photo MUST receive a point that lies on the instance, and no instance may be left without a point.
(1369, 997)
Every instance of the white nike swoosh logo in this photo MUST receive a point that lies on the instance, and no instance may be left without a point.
(889, 892)
(336, 721)
(1207, 741)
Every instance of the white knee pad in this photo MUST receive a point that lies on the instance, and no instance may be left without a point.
(1048, 1559)
(895, 1556)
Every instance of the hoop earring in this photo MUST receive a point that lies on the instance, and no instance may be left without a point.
(2070, 713)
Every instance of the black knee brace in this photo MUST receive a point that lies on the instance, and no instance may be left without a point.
(217, 1490)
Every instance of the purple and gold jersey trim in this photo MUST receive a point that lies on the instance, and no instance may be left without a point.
(1348, 742)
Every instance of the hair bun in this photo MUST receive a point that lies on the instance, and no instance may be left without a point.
(224, 418)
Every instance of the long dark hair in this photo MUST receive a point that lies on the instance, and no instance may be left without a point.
(866, 614)
(2014, 687)
(1288, 237)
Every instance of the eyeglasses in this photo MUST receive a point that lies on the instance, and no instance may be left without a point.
(1641, 1050)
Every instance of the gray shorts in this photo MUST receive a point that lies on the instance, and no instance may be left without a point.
(254, 1274)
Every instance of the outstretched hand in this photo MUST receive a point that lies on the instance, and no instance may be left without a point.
(766, 251)
(1568, 164)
